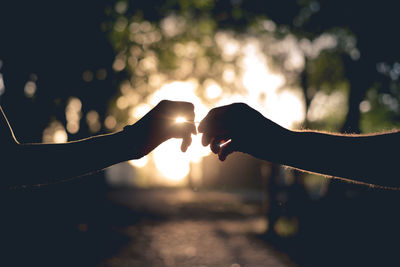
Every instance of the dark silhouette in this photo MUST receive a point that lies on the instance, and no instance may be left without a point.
(358, 158)
(41, 163)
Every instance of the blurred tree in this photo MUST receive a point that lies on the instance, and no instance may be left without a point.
(45, 50)
(373, 63)
(343, 56)
(334, 52)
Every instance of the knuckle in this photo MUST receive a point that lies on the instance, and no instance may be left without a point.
(163, 103)
(190, 105)
(212, 112)
(240, 105)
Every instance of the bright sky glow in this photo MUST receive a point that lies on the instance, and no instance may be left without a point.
(261, 88)
(168, 158)
(171, 162)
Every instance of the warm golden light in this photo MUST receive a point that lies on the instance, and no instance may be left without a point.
(284, 106)
(171, 162)
(55, 133)
(140, 163)
(213, 90)
(73, 114)
(180, 120)
(60, 136)
(251, 80)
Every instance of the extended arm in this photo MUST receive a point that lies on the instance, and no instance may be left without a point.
(370, 159)
(360, 158)
(26, 164)
(40, 163)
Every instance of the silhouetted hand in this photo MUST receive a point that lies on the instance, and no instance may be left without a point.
(159, 125)
(249, 131)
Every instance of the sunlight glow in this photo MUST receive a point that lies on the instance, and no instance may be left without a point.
(180, 120)
(140, 163)
(250, 80)
(213, 90)
(196, 151)
(140, 110)
(171, 162)
(257, 77)
(286, 107)
(181, 91)
(324, 105)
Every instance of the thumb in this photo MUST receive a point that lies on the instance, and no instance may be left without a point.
(186, 142)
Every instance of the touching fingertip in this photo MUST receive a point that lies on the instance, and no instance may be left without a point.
(183, 147)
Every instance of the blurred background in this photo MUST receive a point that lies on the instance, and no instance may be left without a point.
(74, 69)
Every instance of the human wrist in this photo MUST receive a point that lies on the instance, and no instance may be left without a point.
(279, 142)
(129, 142)
(118, 146)
(136, 141)
(291, 147)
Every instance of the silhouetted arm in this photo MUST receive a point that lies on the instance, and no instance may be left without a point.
(42, 163)
(369, 159)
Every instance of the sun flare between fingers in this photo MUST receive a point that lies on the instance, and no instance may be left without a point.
(180, 119)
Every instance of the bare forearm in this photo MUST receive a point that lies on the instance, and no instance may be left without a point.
(362, 158)
(43, 163)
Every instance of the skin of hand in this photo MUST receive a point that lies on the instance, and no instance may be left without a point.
(356, 158)
(29, 164)
(246, 127)
(159, 125)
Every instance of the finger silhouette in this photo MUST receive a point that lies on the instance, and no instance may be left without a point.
(213, 122)
(226, 150)
(216, 142)
(214, 145)
(186, 142)
(206, 139)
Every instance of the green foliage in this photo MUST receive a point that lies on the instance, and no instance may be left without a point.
(326, 72)
(380, 111)
(194, 25)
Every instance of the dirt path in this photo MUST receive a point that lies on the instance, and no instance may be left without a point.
(186, 228)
